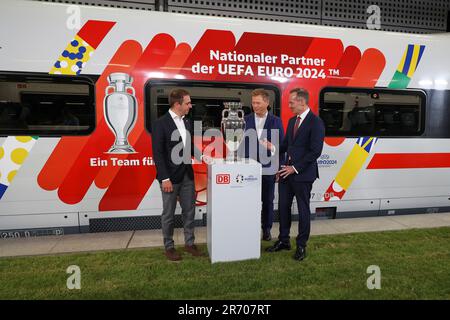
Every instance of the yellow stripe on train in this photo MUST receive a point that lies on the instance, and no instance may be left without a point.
(351, 166)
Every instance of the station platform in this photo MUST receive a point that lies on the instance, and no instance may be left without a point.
(127, 240)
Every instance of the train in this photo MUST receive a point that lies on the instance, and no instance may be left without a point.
(383, 97)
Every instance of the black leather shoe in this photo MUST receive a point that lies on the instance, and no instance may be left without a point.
(300, 254)
(267, 236)
(278, 246)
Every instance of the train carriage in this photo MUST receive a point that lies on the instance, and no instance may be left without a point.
(384, 99)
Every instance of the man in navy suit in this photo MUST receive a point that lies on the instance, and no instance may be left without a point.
(263, 132)
(302, 144)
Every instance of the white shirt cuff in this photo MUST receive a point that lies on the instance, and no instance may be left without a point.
(295, 170)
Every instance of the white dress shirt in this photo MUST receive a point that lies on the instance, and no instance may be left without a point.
(303, 116)
(179, 122)
(259, 123)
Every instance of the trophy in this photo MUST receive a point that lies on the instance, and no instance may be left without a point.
(120, 109)
(233, 126)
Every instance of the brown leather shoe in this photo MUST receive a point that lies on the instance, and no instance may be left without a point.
(193, 250)
(172, 255)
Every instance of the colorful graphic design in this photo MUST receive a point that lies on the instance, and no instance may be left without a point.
(71, 61)
(69, 170)
(407, 66)
(350, 168)
(363, 146)
(73, 58)
(12, 155)
(409, 161)
(81, 48)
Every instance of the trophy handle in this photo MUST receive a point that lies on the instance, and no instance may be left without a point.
(107, 89)
(132, 90)
(223, 112)
(241, 113)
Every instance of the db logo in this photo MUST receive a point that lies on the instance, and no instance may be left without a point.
(223, 179)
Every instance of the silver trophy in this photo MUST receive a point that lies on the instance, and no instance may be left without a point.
(233, 126)
(120, 109)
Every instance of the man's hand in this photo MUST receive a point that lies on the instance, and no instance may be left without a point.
(268, 145)
(286, 171)
(167, 186)
(208, 159)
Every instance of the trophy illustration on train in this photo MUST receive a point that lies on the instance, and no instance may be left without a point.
(120, 110)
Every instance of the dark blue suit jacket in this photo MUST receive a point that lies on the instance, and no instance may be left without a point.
(272, 123)
(163, 145)
(305, 148)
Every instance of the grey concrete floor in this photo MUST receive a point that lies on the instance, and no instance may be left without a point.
(87, 242)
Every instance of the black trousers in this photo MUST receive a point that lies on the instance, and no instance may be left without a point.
(267, 197)
(287, 190)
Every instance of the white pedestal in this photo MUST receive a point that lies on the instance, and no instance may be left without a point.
(234, 210)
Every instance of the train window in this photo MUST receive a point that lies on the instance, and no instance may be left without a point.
(207, 99)
(46, 105)
(372, 112)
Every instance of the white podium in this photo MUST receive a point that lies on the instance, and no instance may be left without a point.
(234, 210)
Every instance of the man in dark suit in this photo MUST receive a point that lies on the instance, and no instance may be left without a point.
(172, 150)
(302, 144)
(263, 133)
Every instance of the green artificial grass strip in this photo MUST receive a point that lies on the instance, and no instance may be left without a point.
(415, 264)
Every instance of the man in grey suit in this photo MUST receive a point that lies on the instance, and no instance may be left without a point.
(172, 150)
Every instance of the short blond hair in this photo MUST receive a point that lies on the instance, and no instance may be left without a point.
(261, 92)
